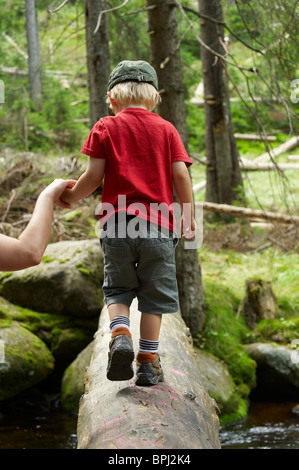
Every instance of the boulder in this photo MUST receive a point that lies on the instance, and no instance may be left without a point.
(72, 385)
(277, 371)
(65, 336)
(68, 281)
(25, 360)
(218, 382)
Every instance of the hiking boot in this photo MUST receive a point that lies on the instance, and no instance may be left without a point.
(149, 370)
(120, 358)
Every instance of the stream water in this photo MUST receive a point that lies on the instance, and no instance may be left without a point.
(37, 422)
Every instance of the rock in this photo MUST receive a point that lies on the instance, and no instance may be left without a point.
(68, 342)
(259, 303)
(218, 382)
(68, 281)
(26, 362)
(277, 373)
(72, 385)
(63, 335)
(295, 410)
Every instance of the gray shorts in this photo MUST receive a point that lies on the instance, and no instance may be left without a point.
(143, 268)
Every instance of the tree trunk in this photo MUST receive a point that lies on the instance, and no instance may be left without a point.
(34, 63)
(98, 59)
(224, 181)
(164, 50)
(176, 414)
(259, 303)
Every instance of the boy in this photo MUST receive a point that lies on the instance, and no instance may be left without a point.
(141, 155)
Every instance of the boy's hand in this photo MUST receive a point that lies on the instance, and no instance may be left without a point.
(188, 227)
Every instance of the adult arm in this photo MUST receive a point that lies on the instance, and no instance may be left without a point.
(29, 248)
(183, 188)
(88, 182)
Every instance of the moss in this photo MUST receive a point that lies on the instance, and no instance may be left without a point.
(5, 322)
(235, 415)
(47, 259)
(5, 275)
(73, 215)
(83, 269)
(224, 333)
(281, 330)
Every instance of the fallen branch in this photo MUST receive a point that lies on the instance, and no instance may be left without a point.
(199, 102)
(247, 212)
(15, 45)
(251, 165)
(199, 186)
(285, 147)
(13, 194)
(281, 245)
(254, 137)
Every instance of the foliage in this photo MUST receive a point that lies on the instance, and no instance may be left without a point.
(224, 333)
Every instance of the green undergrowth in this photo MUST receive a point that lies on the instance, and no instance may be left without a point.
(225, 333)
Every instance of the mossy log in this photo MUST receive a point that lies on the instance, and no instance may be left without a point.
(176, 414)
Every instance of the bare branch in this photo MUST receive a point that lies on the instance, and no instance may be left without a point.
(58, 8)
(108, 11)
(204, 44)
(221, 23)
(142, 10)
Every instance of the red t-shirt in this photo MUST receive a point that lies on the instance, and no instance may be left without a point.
(139, 147)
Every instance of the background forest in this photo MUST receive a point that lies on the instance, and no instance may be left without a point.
(40, 139)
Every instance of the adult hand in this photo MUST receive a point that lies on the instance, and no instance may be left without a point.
(55, 190)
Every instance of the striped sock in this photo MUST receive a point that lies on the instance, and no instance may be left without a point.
(147, 346)
(121, 320)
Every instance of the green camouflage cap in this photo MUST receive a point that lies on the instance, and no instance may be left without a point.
(129, 70)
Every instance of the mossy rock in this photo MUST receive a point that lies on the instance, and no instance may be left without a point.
(68, 281)
(63, 335)
(26, 361)
(220, 386)
(72, 385)
(68, 342)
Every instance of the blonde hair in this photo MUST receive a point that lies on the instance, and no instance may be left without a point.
(130, 93)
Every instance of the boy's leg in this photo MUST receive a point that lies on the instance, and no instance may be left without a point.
(149, 371)
(121, 354)
(150, 325)
(119, 315)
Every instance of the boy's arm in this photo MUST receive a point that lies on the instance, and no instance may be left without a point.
(88, 182)
(183, 188)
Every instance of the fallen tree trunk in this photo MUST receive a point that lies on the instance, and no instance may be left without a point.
(199, 186)
(255, 137)
(252, 165)
(247, 212)
(285, 147)
(176, 414)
